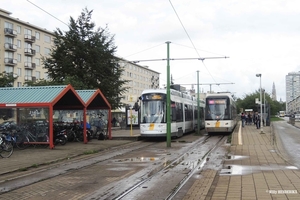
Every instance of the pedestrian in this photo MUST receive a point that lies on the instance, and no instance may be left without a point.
(114, 121)
(243, 118)
(257, 120)
(249, 119)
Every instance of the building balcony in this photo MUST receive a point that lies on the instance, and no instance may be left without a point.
(29, 38)
(29, 65)
(10, 61)
(10, 47)
(10, 32)
(29, 52)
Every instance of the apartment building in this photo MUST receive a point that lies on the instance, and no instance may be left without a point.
(22, 46)
(293, 92)
(139, 77)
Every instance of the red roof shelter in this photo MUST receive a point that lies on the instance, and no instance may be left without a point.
(94, 99)
(53, 98)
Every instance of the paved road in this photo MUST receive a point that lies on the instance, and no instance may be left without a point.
(289, 136)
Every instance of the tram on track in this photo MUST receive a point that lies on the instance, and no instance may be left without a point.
(184, 113)
(220, 113)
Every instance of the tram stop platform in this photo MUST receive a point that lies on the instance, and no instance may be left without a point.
(256, 169)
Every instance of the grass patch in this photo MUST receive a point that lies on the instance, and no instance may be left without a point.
(275, 119)
(23, 169)
(90, 152)
(229, 138)
(34, 165)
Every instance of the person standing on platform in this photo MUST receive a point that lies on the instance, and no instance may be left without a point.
(243, 118)
(257, 120)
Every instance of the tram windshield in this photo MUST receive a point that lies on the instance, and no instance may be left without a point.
(153, 111)
(217, 109)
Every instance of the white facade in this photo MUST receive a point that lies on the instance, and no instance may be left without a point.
(140, 78)
(292, 91)
(22, 46)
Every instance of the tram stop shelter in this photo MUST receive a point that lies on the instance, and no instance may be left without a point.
(95, 100)
(26, 105)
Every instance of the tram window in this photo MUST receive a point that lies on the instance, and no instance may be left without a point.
(179, 113)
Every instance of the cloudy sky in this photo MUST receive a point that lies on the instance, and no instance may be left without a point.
(258, 36)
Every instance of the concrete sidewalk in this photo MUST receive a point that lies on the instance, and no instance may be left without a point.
(254, 170)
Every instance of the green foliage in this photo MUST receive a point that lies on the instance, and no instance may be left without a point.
(248, 102)
(6, 79)
(274, 119)
(84, 57)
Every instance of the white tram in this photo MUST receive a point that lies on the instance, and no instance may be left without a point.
(184, 113)
(220, 113)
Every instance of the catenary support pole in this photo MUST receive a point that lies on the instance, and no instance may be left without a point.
(168, 97)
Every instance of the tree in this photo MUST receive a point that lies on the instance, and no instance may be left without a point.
(248, 102)
(84, 57)
(7, 79)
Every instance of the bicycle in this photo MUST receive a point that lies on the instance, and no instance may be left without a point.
(6, 147)
(11, 135)
(26, 138)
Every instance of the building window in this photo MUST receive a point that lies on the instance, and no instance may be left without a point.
(8, 25)
(46, 51)
(37, 62)
(37, 35)
(38, 75)
(46, 77)
(9, 69)
(8, 40)
(37, 48)
(28, 45)
(19, 72)
(19, 84)
(19, 29)
(8, 54)
(28, 74)
(19, 44)
(19, 57)
(47, 38)
(27, 31)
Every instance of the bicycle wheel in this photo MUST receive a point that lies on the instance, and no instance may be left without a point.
(6, 149)
(22, 142)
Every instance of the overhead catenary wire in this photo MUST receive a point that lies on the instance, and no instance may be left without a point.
(190, 39)
(48, 13)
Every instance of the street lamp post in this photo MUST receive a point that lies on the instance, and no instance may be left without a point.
(261, 124)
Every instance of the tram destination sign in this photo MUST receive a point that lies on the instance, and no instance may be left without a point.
(154, 96)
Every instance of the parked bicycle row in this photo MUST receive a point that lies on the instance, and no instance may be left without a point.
(37, 135)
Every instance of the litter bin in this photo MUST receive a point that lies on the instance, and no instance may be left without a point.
(292, 120)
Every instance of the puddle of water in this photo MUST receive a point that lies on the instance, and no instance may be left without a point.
(236, 157)
(245, 170)
(138, 159)
(238, 170)
(291, 167)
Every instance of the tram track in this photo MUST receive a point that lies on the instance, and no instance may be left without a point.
(191, 165)
(172, 163)
(119, 174)
(17, 179)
